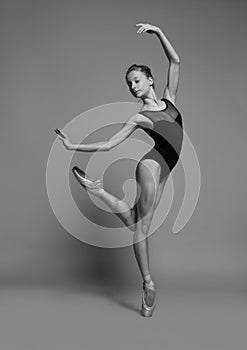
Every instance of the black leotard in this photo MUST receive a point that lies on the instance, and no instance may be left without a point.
(167, 135)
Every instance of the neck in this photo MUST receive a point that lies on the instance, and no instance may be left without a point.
(151, 99)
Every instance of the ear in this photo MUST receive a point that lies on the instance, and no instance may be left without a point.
(151, 81)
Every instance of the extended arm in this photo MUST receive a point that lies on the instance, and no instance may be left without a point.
(91, 147)
(174, 65)
(128, 127)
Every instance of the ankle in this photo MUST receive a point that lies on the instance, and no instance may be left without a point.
(148, 282)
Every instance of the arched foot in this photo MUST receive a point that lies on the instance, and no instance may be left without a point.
(85, 181)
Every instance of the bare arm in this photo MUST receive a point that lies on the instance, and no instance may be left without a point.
(168, 48)
(173, 70)
(173, 58)
(91, 147)
(128, 127)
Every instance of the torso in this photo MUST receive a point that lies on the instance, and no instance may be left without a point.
(165, 127)
(146, 118)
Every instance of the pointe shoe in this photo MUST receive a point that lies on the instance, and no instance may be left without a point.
(85, 181)
(147, 311)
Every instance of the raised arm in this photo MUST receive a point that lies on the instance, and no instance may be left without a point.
(174, 62)
(127, 129)
(171, 88)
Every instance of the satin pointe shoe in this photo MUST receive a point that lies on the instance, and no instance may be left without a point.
(85, 181)
(147, 310)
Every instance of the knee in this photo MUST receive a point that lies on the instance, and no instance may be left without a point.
(143, 225)
(146, 222)
(145, 210)
(139, 235)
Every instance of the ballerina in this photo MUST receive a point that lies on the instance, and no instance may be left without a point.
(162, 121)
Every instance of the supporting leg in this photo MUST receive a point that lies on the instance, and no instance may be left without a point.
(148, 175)
(141, 250)
(141, 246)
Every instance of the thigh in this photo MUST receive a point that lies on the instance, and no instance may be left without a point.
(148, 180)
(160, 190)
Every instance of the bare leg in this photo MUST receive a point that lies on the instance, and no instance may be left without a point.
(137, 223)
(138, 218)
(141, 245)
(118, 206)
(148, 177)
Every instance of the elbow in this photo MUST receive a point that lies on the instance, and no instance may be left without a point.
(110, 144)
(107, 147)
(176, 60)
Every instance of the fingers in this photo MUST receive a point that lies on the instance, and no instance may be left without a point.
(143, 28)
(58, 132)
(60, 135)
(146, 27)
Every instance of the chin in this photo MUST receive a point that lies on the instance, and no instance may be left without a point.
(141, 95)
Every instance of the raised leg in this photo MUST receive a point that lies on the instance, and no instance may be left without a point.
(118, 206)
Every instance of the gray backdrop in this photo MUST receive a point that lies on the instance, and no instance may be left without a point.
(60, 58)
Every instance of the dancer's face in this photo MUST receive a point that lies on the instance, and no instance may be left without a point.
(139, 84)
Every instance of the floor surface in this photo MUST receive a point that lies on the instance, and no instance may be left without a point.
(49, 319)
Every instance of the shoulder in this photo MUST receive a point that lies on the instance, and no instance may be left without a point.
(143, 121)
(134, 119)
(137, 120)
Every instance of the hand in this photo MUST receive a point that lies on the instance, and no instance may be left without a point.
(149, 28)
(64, 138)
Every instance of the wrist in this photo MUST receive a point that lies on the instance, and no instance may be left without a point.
(70, 147)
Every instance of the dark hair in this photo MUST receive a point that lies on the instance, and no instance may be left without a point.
(141, 67)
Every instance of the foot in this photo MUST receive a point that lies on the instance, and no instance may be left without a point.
(149, 292)
(85, 181)
(148, 299)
